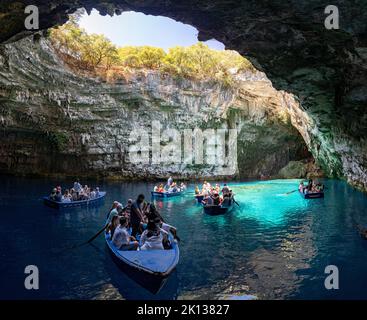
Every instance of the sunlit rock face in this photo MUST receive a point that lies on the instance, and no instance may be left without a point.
(56, 122)
(325, 69)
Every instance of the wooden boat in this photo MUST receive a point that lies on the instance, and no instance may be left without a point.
(157, 263)
(167, 194)
(312, 195)
(215, 210)
(63, 205)
(199, 198)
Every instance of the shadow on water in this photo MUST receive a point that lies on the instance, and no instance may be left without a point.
(135, 285)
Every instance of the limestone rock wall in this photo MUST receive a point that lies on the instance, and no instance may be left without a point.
(55, 122)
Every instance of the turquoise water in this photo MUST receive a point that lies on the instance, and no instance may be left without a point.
(274, 246)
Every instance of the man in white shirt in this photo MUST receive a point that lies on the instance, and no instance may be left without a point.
(122, 239)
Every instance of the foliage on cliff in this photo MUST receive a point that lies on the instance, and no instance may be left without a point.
(92, 52)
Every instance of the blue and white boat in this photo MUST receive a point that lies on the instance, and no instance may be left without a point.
(157, 263)
(215, 210)
(167, 194)
(72, 204)
(312, 195)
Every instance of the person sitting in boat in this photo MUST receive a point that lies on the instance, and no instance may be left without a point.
(136, 215)
(115, 221)
(216, 199)
(155, 189)
(317, 187)
(92, 194)
(127, 209)
(183, 186)
(120, 209)
(197, 190)
(52, 196)
(122, 239)
(320, 187)
(113, 211)
(225, 189)
(309, 186)
(77, 187)
(86, 192)
(58, 195)
(74, 195)
(169, 183)
(152, 238)
(67, 196)
(207, 186)
(226, 201)
(301, 187)
(217, 188)
(174, 187)
(97, 192)
(82, 195)
(153, 213)
(208, 200)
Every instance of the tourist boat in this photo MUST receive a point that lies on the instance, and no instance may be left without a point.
(199, 198)
(158, 264)
(167, 194)
(312, 195)
(215, 210)
(63, 205)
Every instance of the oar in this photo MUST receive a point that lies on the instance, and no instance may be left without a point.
(86, 242)
(97, 234)
(236, 202)
(291, 191)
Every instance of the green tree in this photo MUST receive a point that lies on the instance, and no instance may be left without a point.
(142, 57)
(93, 52)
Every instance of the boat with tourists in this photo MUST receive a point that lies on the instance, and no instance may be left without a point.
(225, 207)
(214, 203)
(157, 263)
(140, 240)
(313, 190)
(171, 189)
(77, 196)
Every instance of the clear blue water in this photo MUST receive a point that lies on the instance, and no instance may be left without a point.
(274, 246)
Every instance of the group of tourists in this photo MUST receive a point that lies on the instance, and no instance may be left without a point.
(311, 187)
(138, 220)
(170, 187)
(211, 194)
(76, 193)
